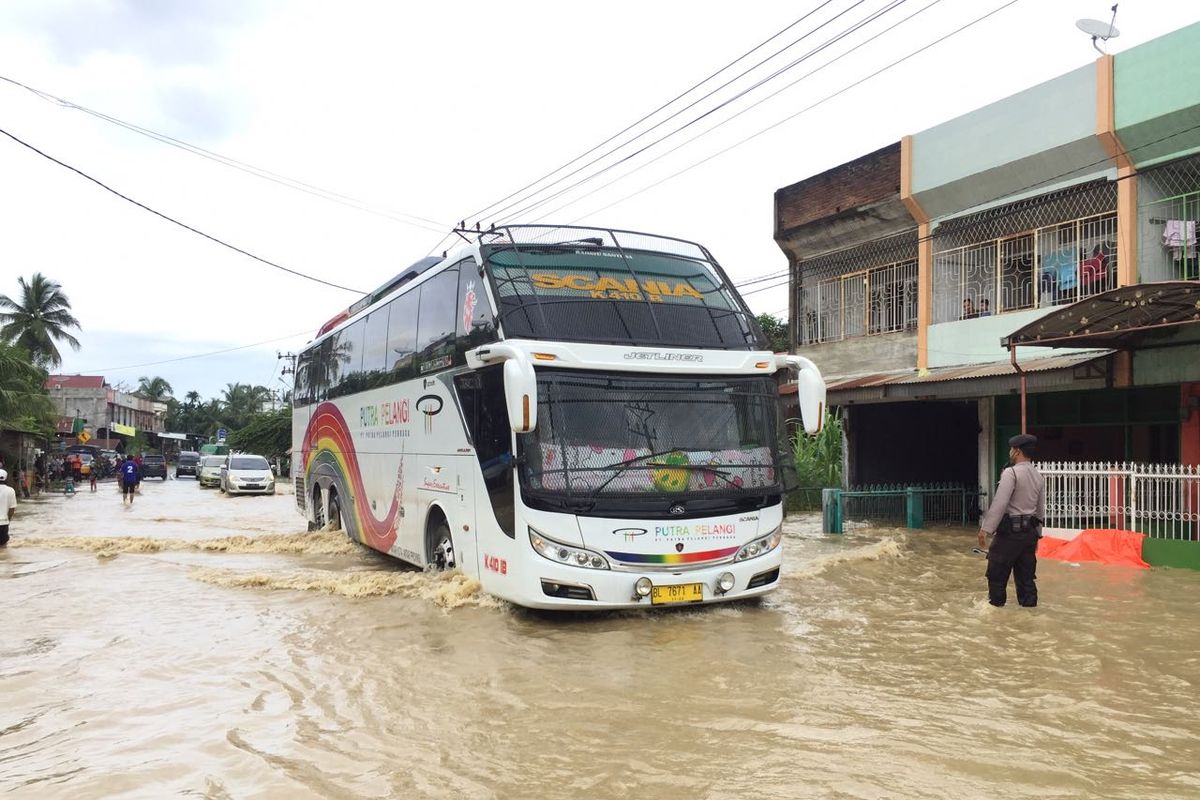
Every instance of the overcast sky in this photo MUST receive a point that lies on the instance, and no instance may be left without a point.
(436, 110)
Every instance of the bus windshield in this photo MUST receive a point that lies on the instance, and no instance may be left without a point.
(610, 437)
(585, 292)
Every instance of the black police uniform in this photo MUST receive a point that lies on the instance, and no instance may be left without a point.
(1015, 517)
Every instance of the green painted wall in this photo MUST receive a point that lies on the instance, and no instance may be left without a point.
(1171, 553)
(1157, 88)
(1167, 365)
(1041, 118)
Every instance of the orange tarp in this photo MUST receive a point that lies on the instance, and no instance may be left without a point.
(1105, 546)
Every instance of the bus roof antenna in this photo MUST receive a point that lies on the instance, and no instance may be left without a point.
(1100, 30)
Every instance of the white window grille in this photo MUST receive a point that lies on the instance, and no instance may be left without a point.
(1052, 265)
(1159, 500)
(864, 303)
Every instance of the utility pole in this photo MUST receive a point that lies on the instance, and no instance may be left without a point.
(290, 369)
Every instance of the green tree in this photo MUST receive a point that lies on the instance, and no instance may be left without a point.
(776, 332)
(23, 396)
(38, 319)
(155, 388)
(267, 433)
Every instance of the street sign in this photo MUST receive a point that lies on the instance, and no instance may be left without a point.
(84, 437)
(220, 436)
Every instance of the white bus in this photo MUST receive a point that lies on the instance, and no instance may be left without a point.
(579, 418)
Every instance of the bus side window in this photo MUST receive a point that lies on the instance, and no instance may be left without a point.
(476, 318)
(402, 335)
(300, 388)
(435, 323)
(346, 365)
(482, 397)
(374, 366)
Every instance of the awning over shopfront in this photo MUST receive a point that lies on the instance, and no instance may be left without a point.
(1121, 318)
(180, 436)
(978, 380)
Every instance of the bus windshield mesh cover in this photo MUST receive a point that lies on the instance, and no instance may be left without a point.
(675, 438)
(609, 295)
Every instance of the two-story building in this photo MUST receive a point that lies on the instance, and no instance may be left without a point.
(108, 412)
(928, 277)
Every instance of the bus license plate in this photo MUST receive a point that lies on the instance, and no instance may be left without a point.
(683, 593)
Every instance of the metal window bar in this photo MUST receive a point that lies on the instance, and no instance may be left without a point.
(868, 302)
(1048, 265)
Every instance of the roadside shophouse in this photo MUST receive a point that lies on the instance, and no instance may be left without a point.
(89, 403)
(1048, 239)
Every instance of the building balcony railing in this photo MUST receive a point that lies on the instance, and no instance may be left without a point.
(1168, 238)
(867, 302)
(1052, 265)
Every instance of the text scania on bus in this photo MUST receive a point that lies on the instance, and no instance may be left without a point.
(577, 417)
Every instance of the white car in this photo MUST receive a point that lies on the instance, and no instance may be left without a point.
(209, 471)
(244, 473)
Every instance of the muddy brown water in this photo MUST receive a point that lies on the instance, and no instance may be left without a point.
(203, 646)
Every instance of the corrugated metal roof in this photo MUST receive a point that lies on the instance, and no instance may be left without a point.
(967, 372)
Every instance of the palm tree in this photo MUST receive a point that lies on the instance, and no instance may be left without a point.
(40, 319)
(155, 388)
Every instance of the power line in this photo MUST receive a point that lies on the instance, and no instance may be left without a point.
(174, 221)
(202, 355)
(739, 113)
(805, 110)
(737, 96)
(250, 169)
(662, 107)
(450, 235)
(497, 214)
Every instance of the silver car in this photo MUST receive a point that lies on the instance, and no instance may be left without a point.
(244, 473)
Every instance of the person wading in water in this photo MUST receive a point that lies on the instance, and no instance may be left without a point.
(1015, 517)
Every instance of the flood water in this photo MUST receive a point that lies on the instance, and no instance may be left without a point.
(204, 646)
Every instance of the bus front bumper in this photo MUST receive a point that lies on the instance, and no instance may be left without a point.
(565, 587)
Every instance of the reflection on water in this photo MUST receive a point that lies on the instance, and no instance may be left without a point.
(220, 651)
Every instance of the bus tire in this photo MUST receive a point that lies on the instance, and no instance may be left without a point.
(442, 556)
(335, 511)
(318, 509)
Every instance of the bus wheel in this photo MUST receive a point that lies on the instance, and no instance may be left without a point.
(443, 547)
(335, 511)
(318, 510)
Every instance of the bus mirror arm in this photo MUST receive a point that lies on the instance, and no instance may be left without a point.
(810, 390)
(520, 383)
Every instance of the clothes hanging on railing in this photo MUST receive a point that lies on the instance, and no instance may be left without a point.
(1180, 236)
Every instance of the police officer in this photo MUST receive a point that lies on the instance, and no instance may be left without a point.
(1015, 517)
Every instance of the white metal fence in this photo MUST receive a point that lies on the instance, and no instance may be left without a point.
(1159, 500)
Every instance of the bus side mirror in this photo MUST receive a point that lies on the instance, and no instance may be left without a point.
(810, 391)
(520, 394)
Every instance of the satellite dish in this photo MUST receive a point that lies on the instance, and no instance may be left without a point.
(1099, 30)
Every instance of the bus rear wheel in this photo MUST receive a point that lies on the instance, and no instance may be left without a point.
(443, 548)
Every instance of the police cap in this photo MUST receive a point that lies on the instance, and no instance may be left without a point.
(1022, 441)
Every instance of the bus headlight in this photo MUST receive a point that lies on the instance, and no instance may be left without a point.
(566, 553)
(761, 545)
